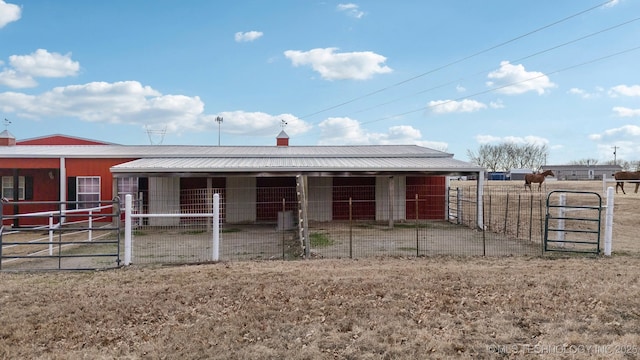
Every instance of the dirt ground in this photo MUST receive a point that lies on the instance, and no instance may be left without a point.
(558, 306)
(375, 308)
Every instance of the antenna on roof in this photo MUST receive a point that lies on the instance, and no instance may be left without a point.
(7, 122)
(155, 134)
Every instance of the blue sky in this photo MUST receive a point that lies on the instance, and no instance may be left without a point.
(449, 75)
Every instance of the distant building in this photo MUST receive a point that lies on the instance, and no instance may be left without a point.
(518, 174)
(582, 172)
(497, 175)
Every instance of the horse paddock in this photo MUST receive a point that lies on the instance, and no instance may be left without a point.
(377, 307)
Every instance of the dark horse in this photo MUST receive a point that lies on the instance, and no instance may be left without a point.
(626, 175)
(536, 178)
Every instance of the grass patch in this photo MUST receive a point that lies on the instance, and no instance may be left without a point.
(230, 230)
(320, 240)
(193, 232)
(412, 225)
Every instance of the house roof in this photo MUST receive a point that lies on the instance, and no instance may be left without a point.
(60, 139)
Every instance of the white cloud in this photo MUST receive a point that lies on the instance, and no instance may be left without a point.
(452, 106)
(45, 64)
(15, 80)
(624, 90)
(8, 13)
(585, 94)
(259, 123)
(514, 79)
(626, 131)
(129, 102)
(496, 104)
(460, 88)
(612, 3)
(339, 66)
(529, 139)
(352, 10)
(626, 112)
(347, 131)
(41, 63)
(248, 36)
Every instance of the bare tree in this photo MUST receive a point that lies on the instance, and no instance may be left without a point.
(506, 156)
(585, 162)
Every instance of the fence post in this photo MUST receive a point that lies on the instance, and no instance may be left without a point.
(459, 205)
(127, 230)
(561, 214)
(608, 225)
(51, 235)
(90, 225)
(417, 227)
(216, 228)
(350, 229)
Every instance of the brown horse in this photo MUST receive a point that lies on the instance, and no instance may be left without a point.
(626, 175)
(536, 178)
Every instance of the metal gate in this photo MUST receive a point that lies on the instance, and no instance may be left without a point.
(54, 235)
(573, 221)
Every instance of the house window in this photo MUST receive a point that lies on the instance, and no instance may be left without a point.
(7, 187)
(88, 195)
(128, 185)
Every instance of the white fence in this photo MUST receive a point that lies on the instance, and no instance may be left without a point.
(215, 226)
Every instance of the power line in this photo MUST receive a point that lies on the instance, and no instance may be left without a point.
(502, 86)
(512, 61)
(459, 60)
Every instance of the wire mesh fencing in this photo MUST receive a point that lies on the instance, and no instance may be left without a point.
(342, 222)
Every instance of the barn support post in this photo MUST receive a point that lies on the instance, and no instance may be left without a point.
(127, 230)
(479, 195)
(303, 220)
(215, 248)
(608, 225)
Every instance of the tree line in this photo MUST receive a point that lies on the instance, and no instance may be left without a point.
(507, 156)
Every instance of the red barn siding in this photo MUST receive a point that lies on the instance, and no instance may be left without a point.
(431, 191)
(95, 167)
(193, 190)
(30, 163)
(361, 190)
(269, 194)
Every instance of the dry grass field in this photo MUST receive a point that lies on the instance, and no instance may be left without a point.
(560, 306)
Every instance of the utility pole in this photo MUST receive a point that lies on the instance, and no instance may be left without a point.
(219, 120)
(615, 151)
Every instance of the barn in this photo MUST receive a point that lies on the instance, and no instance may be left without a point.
(253, 180)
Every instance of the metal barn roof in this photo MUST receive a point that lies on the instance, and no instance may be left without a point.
(171, 159)
(186, 151)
